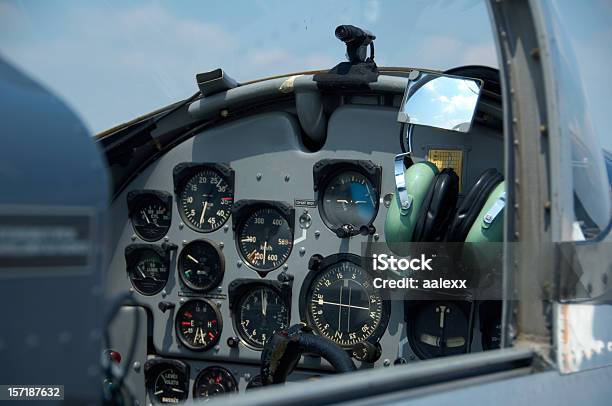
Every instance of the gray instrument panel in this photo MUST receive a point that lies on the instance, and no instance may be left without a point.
(270, 164)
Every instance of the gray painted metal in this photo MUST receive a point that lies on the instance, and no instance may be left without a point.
(50, 168)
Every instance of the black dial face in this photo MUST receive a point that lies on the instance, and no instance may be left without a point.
(205, 200)
(438, 329)
(148, 272)
(151, 217)
(260, 313)
(169, 386)
(265, 239)
(214, 381)
(201, 265)
(344, 306)
(198, 325)
(349, 198)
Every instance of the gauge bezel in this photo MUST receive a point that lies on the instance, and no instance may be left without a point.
(318, 264)
(412, 306)
(153, 367)
(183, 340)
(182, 174)
(134, 199)
(325, 170)
(131, 257)
(181, 272)
(241, 287)
(212, 367)
(241, 212)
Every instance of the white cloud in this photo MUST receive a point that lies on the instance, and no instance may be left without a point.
(371, 11)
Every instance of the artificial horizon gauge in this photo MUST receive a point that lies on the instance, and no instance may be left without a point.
(198, 324)
(342, 304)
(259, 313)
(264, 234)
(150, 213)
(201, 265)
(213, 381)
(167, 381)
(348, 194)
(437, 329)
(348, 198)
(205, 195)
(148, 268)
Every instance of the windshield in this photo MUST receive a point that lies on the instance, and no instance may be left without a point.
(115, 60)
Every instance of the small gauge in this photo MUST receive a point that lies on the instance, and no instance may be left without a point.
(214, 381)
(260, 313)
(150, 213)
(167, 381)
(147, 268)
(264, 238)
(342, 304)
(198, 324)
(349, 198)
(201, 265)
(437, 329)
(205, 195)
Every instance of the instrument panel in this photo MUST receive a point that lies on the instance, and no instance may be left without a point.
(252, 240)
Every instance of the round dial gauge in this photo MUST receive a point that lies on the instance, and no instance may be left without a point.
(260, 313)
(148, 272)
(201, 265)
(198, 325)
(438, 329)
(343, 305)
(151, 217)
(169, 387)
(205, 200)
(264, 239)
(349, 198)
(213, 381)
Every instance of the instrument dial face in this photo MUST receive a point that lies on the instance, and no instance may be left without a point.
(438, 329)
(348, 198)
(213, 381)
(206, 200)
(169, 387)
(343, 305)
(149, 272)
(260, 313)
(198, 325)
(265, 239)
(201, 265)
(151, 217)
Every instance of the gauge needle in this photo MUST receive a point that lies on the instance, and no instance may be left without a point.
(264, 302)
(322, 302)
(178, 390)
(145, 216)
(142, 273)
(264, 251)
(192, 258)
(203, 212)
(370, 194)
(159, 392)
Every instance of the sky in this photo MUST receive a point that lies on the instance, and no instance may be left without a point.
(112, 61)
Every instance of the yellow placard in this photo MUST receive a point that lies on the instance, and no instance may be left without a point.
(447, 158)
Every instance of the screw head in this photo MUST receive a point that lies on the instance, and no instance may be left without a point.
(221, 245)
(136, 366)
(302, 250)
(181, 225)
(287, 178)
(133, 237)
(317, 234)
(258, 176)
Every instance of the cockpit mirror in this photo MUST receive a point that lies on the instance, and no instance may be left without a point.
(440, 101)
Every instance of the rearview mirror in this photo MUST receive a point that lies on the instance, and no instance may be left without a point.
(441, 101)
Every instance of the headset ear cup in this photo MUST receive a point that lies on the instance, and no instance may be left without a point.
(400, 223)
(438, 207)
(467, 213)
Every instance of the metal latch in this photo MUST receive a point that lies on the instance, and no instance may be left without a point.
(494, 211)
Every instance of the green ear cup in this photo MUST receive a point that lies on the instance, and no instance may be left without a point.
(400, 223)
(483, 231)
